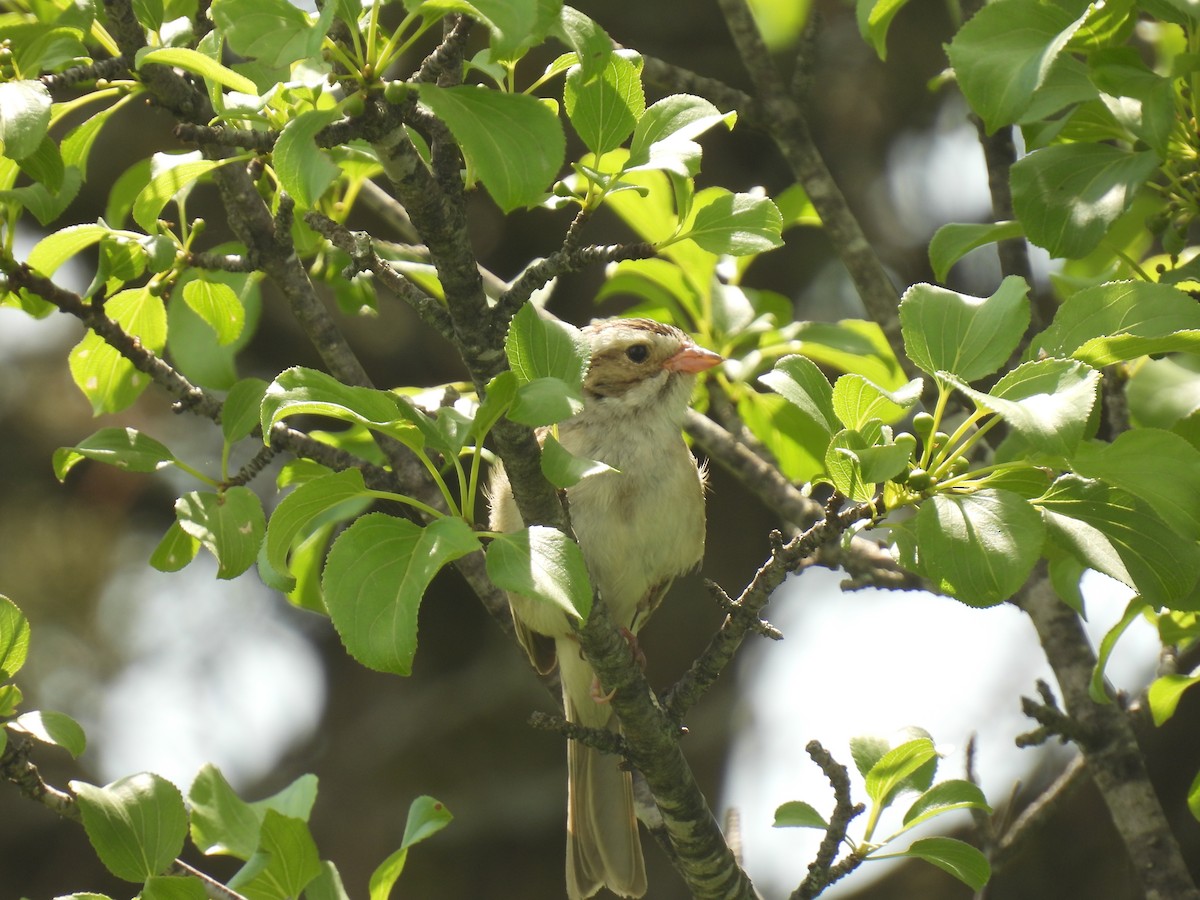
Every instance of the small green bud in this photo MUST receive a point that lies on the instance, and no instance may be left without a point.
(395, 92)
(920, 480)
(923, 424)
(355, 104)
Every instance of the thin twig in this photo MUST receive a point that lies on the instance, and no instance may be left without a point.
(187, 395)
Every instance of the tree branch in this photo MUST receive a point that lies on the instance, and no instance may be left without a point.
(357, 244)
(15, 767)
(1110, 747)
(821, 871)
(786, 123)
(785, 559)
(187, 395)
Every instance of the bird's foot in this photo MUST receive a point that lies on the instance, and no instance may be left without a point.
(635, 648)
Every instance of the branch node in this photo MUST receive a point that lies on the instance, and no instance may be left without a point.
(733, 609)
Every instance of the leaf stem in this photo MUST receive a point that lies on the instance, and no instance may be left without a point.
(407, 500)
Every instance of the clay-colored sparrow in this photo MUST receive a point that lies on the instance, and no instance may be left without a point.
(638, 528)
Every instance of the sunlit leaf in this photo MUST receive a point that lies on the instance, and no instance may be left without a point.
(136, 825)
(375, 578)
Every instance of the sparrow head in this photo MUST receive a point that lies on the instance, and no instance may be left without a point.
(638, 363)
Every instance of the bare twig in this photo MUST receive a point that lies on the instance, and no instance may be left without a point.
(821, 871)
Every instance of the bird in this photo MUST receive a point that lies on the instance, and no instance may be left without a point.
(639, 524)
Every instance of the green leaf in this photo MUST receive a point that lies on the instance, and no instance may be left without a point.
(1068, 195)
(326, 886)
(173, 887)
(540, 347)
(563, 469)
(979, 547)
(961, 860)
(240, 412)
(218, 305)
(874, 18)
(168, 182)
(604, 110)
(45, 164)
(736, 225)
(221, 822)
(274, 32)
(1165, 693)
(667, 127)
(969, 336)
(1047, 402)
(55, 249)
(1158, 466)
(198, 64)
(1097, 688)
(298, 391)
(1004, 52)
(285, 862)
(125, 448)
(842, 465)
(230, 525)
(883, 462)
(542, 564)
(14, 638)
(889, 774)
(108, 379)
(866, 750)
(795, 440)
(499, 396)
(176, 549)
(304, 169)
(516, 25)
(193, 344)
(1119, 535)
(513, 142)
(944, 797)
(798, 380)
(137, 825)
(54, 728)
(798, 814)
(591, 43)
(857, 400)
(24, 117)
(295, 801)
(544, 401)
(426, 817)
(952, 242)
(375, 577)
(300, 509)
(1116, 321)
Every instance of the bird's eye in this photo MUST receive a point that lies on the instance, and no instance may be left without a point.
(638, 353)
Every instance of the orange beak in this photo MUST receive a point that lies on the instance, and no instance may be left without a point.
(692, 359)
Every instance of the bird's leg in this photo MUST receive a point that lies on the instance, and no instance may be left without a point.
(638, 657)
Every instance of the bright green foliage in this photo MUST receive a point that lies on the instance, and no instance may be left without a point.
(426, 817)
(374, 580)
(969, 337)
(124, 448)
(54, 728)
(513, 143)
(889, 772)
(137, 825)
(542, 564)
(229, 524)
(14, 639)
